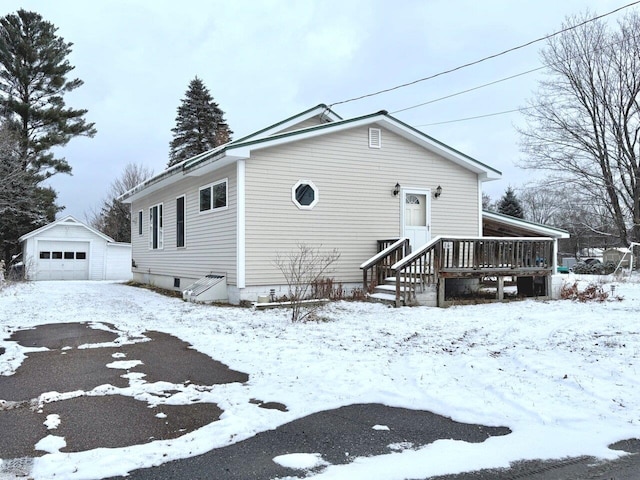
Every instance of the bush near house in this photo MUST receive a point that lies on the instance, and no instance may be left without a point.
(594, 268)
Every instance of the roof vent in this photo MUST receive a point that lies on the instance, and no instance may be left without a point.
(375, 138)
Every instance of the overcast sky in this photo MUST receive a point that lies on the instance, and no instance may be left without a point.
(263, 61)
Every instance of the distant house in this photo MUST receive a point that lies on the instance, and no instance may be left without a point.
(618, 256)
(68, 249)
(356, 185)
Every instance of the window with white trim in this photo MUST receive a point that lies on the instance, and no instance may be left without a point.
(305, 195)
(156, 233)
(140, 222)
(180, 221)
(214, 196)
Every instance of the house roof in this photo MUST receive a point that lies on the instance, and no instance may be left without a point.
(497, 224)
(268, 137)
(68, 220)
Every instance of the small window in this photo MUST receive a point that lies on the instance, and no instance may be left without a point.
(205, 199)
(304, 194)
(214, 196)
(46, 255)
(69, 255)
(81, 255)
(140, 222)
(413, 200)
(219, 195)
(155, 227)
(56, 255)
(180, 214)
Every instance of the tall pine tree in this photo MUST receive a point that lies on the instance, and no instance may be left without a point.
(200, 124)
(510, 205)
(33, 82)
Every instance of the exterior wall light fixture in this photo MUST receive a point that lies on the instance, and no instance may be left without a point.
(396, 190)
(438, 191)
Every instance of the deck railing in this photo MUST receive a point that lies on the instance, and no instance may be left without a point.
(470, 257)
(378, 267)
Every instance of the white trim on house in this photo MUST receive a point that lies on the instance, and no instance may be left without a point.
(184, 221)
(240, 224)
(212, 207)
(543, 230)
(404, 191)
(140, 222)
(156, 224)
(294, 196)
(480, 206)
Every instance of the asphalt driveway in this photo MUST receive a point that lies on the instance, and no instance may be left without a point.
(77, 358)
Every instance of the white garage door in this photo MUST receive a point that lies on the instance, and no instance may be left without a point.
(58, 260)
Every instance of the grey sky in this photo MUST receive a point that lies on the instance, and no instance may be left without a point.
(265, 60)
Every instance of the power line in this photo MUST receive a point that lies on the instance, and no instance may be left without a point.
(470, 89)
(474, 118)
(484, 59)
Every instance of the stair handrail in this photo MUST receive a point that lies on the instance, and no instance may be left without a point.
(401, 245)
(415, 270)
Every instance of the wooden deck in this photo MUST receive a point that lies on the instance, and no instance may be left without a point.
(457, 257)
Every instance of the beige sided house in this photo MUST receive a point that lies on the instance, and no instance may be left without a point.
(373, 187)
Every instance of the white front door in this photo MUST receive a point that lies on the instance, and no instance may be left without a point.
(415, 215)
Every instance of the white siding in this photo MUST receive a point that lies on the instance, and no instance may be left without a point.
(118, 261)
(356, 205)
(210, 239)
(65, 234)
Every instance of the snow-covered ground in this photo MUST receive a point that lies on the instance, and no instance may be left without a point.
(564, 376)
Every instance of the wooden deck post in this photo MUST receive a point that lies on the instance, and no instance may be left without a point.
(440, 301)
(500, 294)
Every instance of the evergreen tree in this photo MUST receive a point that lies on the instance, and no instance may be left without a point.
(23, 204)
(200, 124)
(510, 205)
(33, 81)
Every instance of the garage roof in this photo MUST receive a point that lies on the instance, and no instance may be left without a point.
(68, 220)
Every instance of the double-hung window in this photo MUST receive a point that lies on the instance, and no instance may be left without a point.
(214, 197)
(180, 218)
(155, 227)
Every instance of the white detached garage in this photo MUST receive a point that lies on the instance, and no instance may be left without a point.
(67, 249)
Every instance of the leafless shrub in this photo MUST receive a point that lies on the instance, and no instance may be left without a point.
(303, 268)
(591, 293)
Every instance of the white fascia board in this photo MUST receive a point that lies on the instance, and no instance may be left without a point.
(143, 190)
(68, 220)
(534, 227)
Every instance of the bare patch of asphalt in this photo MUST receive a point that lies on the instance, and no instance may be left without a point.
(89, 422)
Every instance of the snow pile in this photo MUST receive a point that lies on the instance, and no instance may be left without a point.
(562, 375)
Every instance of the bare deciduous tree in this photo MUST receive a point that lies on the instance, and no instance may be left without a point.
(301, 269)
(541, 203)
(114, 217)
(584, 123)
